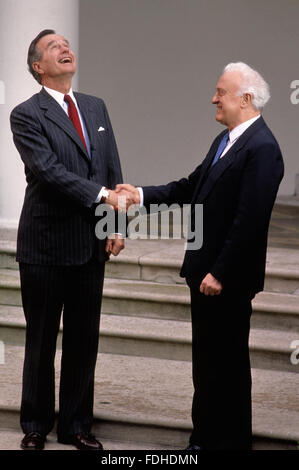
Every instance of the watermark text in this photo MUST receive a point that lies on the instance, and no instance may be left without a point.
(138, 223)
(295, 94)
(295, 354)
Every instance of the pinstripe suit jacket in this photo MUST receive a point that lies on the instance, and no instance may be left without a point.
(57, 223)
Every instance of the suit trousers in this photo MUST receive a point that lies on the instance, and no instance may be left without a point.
(46, 292)
(221, 409)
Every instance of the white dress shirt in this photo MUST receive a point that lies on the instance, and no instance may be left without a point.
(59, 97)
(234, 134)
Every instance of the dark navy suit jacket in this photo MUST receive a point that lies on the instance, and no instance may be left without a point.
(57, 223)
(238, 194)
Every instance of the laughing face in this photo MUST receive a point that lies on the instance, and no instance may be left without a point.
(228, 100)
(57, 59)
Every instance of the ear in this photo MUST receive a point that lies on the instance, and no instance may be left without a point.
(37, 68)
(246, 100)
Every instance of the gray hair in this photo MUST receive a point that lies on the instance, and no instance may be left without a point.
(253, 84)
(34, 54)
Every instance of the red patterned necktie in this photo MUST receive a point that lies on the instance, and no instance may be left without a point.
(74, 117)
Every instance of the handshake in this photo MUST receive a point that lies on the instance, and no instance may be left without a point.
(122, 197)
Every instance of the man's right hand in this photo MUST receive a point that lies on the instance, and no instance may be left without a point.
(128, 194)
(112, 199)
(123, 197)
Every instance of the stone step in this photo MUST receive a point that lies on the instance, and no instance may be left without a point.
(276, 311)
(147, 299)
(8, 254)
(163, 339)
(282, 270)
(148, 400)
(168, 301)
(160, 261)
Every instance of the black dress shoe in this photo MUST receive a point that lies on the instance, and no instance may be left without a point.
(83, 441)
(193, 448)
(33, 441)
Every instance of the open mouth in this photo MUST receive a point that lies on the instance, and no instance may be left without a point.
(65, 60)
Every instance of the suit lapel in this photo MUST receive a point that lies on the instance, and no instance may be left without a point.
(224, 163)
(55, 113)
(206, 163)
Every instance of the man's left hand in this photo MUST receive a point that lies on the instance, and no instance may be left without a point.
(115, 244)
(210, 285)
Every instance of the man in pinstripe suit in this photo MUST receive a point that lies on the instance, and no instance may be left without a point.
(68, 170)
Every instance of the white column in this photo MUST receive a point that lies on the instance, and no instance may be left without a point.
(20, 22)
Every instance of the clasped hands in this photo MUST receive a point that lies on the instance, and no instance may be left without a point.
(123, 197)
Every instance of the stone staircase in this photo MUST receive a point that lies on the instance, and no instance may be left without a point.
(143, 389)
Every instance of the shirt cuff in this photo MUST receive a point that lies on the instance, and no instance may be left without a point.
(116, 233)
(141, 196)
(100, 195)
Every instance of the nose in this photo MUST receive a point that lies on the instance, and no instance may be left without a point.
(64, 47)
(215, 99)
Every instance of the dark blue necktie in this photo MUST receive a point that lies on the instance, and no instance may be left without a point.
(221, 147)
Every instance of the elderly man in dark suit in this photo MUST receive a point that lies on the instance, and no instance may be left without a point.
(237, 184)
(66, 142)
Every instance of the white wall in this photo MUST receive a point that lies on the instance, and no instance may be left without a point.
(156, 63)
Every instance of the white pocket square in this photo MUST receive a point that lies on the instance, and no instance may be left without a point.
(101, 129)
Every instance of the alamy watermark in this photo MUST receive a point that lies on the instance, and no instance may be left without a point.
(186, 222)
(295, 354)
(2, 92)
(295, 94)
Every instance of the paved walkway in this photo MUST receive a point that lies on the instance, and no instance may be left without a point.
(127, 387)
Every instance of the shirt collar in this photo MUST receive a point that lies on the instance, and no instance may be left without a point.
(58, 96)
(235, 133)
